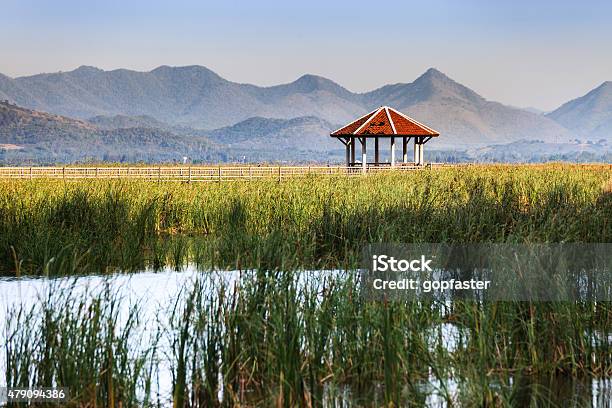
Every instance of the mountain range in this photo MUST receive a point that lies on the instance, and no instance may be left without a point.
(191, 96)
(28, 136)
(195, 105)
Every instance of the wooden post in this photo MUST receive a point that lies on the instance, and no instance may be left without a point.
(30, 173)
(404, 150)
(376, 155)
(364, 158)
(392, 151)
(416, 150)
(189, 174)
(159, 174)
(250, 173)
(96, 172)
(64, 173)
(219, 179)
(353, 150)
(279, 173)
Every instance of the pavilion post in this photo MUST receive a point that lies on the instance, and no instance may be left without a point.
(364, 160)
(416, 150)
(421, 151)
(353, 151)
(376, 156)
(404, 150)
(348, 152)
(392, 151)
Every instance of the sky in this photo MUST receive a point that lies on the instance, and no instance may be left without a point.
(523, 53)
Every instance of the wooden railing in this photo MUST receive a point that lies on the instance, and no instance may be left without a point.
(195, 173)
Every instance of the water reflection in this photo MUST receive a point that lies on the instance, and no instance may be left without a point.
(154, 291)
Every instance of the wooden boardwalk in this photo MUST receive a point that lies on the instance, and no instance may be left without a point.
(196, 173)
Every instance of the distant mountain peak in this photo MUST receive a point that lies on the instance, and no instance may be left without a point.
(311, 83)
(88, 68)
(590, 114)
(183, 68)
(191, 69)
(606, 85)
(189, 73)
(434, 71)
(433, 75)
(311, 78)
(435, 83)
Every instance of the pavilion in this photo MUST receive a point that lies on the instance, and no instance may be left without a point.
(388, 123)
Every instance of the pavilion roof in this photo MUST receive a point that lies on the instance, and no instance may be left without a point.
(385, 121)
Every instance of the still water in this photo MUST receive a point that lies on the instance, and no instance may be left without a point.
(154, 292)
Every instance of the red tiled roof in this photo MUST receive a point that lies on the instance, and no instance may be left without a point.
(385, 121)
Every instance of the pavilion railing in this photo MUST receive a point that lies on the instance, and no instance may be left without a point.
(196, 173)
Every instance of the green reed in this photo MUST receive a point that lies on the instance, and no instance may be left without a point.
(55, 227)
(272, 338)
(299, 339)
(78, 340)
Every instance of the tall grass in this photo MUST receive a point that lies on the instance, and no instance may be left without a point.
(281, 338)
(55, 227)
(303, 339)
(79, 340)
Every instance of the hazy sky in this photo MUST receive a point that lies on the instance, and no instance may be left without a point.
(523, 53)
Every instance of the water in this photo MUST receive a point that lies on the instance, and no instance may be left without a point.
(155, 292)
